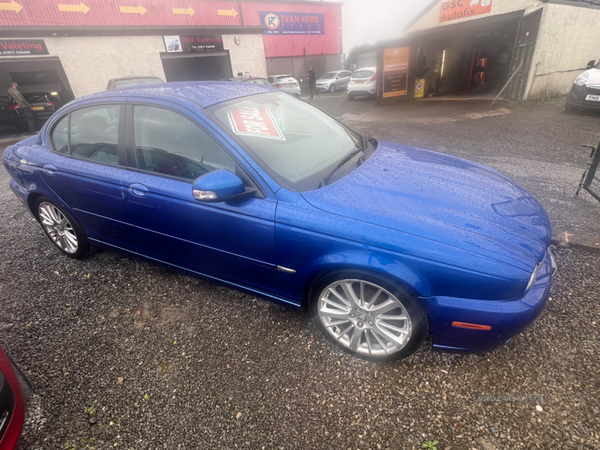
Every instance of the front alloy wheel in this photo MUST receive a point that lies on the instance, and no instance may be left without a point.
(62, 230)
(367, 319)
(332, 88)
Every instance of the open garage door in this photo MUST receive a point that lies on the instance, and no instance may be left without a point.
(523, 54)
(42, 81)
(196, 67)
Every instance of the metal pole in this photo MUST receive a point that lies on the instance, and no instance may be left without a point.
(508, 82)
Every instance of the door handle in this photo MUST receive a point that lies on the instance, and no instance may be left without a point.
(50, 169)
(139, 190)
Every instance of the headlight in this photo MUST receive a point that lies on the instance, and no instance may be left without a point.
(581, 80)
(534, 276)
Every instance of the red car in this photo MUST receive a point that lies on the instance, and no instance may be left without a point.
(14, 389)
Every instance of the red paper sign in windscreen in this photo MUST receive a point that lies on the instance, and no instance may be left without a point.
(257, 122)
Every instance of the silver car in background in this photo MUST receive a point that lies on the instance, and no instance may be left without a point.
(334, 81)
(286, 83)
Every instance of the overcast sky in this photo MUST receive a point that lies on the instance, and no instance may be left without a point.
(367, 21)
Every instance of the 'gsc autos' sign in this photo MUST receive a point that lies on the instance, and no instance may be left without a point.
(459, 9)
(292, 23)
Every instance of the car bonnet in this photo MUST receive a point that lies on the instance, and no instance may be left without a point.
(442, 198)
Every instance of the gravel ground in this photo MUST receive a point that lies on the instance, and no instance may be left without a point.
(124, 354)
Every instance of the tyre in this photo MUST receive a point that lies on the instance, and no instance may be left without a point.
(368, 315)
(332, 88)
(351, 96)
(570, 108)
(62, 229)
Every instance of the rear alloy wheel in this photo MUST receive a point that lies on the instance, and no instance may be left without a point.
(62, 229)
(367, 316)
(332, 88)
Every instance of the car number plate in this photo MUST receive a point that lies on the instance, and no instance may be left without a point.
(289, 85)
(37, 108)
(359, 82)
(593, 98)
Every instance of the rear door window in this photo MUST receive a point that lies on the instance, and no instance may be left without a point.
(94, 133)
(60, 135)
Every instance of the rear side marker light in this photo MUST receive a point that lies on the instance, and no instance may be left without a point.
(471, 326)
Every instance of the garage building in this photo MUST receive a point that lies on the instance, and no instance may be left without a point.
(74, 47)
(472, 46)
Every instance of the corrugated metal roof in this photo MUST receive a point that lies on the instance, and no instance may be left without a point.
(65, 13)
(180, 13)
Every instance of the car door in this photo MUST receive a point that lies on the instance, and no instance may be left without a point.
(168, 148)
(85, 166)
(342, 79)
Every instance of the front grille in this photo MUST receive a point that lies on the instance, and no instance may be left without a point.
(593, 89)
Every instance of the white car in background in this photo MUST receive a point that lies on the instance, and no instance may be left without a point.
(585, 92)
(286, 83)
(363, 82)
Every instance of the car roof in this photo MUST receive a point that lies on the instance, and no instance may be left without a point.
(243, 78)
(204, 93)
(367, 68)
(282, 75)
(141, 77)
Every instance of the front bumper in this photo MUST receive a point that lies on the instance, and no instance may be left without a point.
(323, 87)
(577, 95)
(506, 318)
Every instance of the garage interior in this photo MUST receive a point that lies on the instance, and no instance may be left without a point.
(34, 75)
(468, 58)
(196, 66)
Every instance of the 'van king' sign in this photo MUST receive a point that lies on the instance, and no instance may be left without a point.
(460, 9)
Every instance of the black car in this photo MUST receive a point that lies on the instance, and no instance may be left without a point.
(43, 105)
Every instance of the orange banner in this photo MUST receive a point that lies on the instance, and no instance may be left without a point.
(395, 71)
(459, 9)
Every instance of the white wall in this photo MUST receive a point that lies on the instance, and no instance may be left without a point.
(568, 38)
(431, 19)
(249, 56)
(89, 62)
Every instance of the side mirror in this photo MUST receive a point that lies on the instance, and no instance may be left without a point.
(218, 186)
(591, 64)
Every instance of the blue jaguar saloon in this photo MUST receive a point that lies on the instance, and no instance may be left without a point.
(249, 187)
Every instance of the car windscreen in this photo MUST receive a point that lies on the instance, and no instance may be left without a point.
(362, 74)
(294, 142)
(329, 76)
(136, 81)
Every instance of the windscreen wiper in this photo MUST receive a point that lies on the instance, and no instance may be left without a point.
(327, 177)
